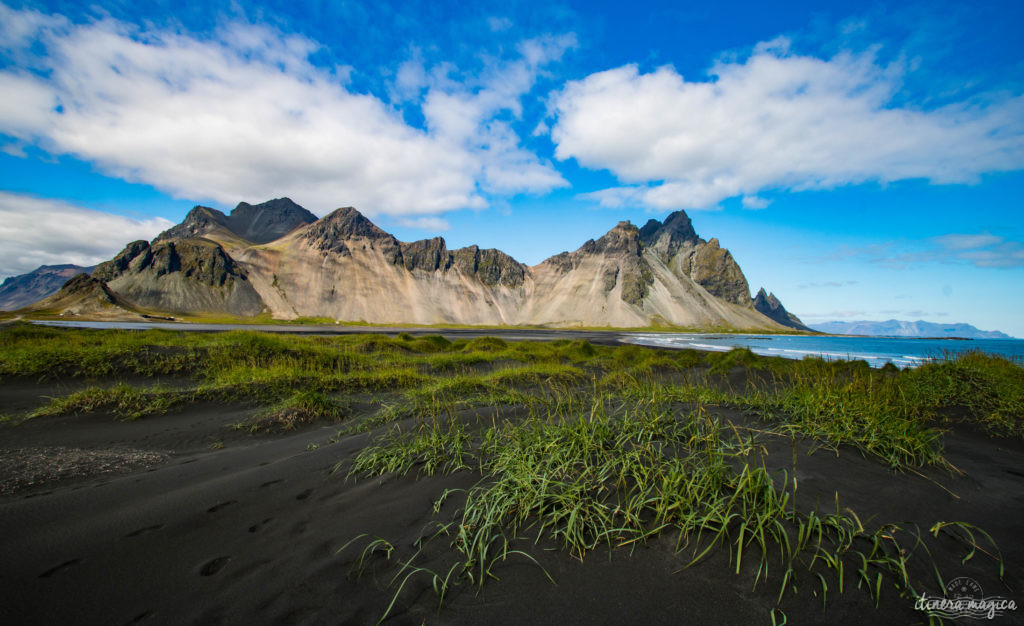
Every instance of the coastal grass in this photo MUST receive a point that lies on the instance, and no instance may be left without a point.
(896, 416)
(125, 401)
(619, 475)
(581, 446)
(304, 407)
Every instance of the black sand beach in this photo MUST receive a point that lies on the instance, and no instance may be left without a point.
(220, 525)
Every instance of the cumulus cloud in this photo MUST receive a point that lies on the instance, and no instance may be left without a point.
(433, 224)
(755, 202)
(35, 231)
(246, 114)
(468, 114)
(775, 120)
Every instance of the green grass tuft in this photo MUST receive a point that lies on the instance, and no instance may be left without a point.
(123, 400)
(304, 407)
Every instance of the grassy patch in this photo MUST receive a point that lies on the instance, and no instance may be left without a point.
(125, 401)
(430, 448)
(304, 407)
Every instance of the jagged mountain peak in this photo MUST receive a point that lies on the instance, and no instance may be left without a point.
(277, 204)
(267, 221)
(767, 298)
(346, 223)
(667, 237)
(337, 231)
(197, 223)
(258, 223)
(768, 305)
(624, 238)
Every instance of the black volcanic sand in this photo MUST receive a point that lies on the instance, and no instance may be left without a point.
(232, 527)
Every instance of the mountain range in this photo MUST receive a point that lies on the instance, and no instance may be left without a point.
(897, 328)
(20, 291)
(277, 258)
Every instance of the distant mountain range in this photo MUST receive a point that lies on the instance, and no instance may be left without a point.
(278, 258)
(20, 291)
(897, 328)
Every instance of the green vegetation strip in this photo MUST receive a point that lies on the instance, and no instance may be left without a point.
(586, 445)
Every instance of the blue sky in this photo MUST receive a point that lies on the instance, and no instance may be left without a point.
(860, 160)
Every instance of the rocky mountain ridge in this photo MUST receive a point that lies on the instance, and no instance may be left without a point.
(261, 223)
(277, 258)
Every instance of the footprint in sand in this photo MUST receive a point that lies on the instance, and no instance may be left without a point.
(57, 568)
(255, 528)
(217, 507)
(213, 566)
(305, 494)
(145, 615)
(143, 531)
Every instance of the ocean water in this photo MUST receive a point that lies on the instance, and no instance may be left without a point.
(877, 351)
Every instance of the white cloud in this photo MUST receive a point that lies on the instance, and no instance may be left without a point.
(967, 241)
(466, 115)
(36, 231)
(433, 224)
(755, 202)
(774, 121)
(248, 116)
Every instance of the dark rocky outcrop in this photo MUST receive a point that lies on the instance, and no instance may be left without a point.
(623, 239)
(667, 238)
(769, 306)
(83, 284)
(492, 267)
(197, 223)
(44, 281)
(428, 255)
(259, 223)
(335, 232)
(636, 281)
(713, 268)
(191, 275)
(265, 222)
(109, 270)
